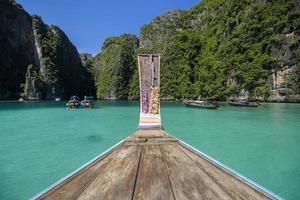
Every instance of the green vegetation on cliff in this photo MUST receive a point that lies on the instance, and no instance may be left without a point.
(16, 52)
(216, 49)
(115, 66)
(38, 61)
(60, 72)
(224, 48)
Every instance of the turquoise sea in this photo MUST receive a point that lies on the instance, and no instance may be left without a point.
(40, 142)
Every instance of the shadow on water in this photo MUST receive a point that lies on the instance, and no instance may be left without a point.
(94, 138)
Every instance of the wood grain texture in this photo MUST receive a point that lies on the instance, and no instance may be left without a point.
(150, 133)
(152, 169)
(152, 180)
(145, 72)
(76, 184)
(117, 179)
(231, 183)
(187, 179)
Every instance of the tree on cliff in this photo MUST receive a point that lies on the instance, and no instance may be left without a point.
(115, 66)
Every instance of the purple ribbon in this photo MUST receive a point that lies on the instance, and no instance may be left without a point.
(145, 101)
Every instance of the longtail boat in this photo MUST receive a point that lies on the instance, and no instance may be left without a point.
(243, 103)
(152, 164)
(202, 104)
(87, 102)
(74, 102)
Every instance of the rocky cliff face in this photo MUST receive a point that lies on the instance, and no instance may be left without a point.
(72, 77)
(37, 59)
(85, 57)
(284, 79)
(161, 27)
(221, 49)
(16, 48)
(60, 71)
(115, 66)
(227, 49)
(284, 84)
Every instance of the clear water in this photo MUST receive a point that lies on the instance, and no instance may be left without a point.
(42, 142)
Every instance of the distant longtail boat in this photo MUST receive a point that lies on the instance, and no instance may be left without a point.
(243, 103)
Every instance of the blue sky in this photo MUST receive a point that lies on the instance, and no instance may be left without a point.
(88, 22)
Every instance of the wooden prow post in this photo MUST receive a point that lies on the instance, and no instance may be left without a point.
(149, 78)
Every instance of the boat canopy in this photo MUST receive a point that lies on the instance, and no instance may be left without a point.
(74, 97)
(88, 97)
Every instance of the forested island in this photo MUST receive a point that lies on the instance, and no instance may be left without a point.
(218, 49)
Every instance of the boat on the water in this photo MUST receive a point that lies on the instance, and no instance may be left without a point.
(87, 102)
(243, 103)
(202, 104)
(74, 102)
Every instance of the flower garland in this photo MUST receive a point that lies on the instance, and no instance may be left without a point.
(154, 101)
(151, 104)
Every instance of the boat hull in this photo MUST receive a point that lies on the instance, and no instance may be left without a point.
(242, 104)
(73, 104)
(87, 104)
(209, 106)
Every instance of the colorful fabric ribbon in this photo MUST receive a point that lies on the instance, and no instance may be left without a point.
(154, 101)
(145, 102)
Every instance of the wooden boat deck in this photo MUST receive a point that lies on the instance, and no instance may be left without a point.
(153, 165)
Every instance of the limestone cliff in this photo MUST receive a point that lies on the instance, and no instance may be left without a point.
(16, 48)
(115, 66)
(161, 27)
(61, 73)
(38, 61)
(227, 49)
(284, 79)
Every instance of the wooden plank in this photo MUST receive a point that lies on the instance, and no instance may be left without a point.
(150, 133)
(188, 181)
(74, 186)
(140, 134)
(232, 184)
(150, 140)
(150, 143)
(147, 119)
(164, 139)
(118, 178)
(152, 180)
(136, 140)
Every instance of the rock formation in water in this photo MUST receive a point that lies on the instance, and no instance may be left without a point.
(37, 59)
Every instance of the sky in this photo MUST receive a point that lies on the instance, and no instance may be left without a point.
(88, 22)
